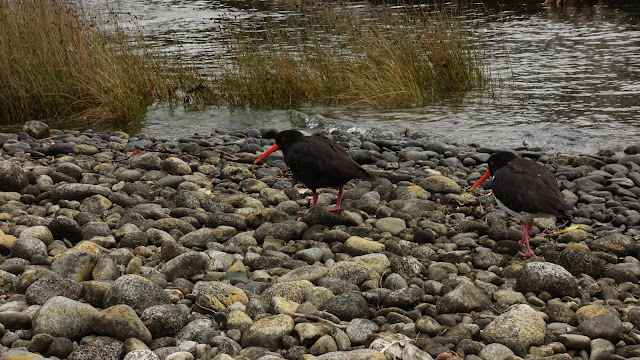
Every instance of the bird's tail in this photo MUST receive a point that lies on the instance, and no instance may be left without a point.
(366, 176)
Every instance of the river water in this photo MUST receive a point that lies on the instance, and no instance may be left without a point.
(573, 77)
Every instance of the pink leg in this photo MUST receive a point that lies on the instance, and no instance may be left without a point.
(313, 204)
(526, 229)
(336, 208)
(529, 253)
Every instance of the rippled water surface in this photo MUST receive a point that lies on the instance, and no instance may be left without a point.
(573, 77)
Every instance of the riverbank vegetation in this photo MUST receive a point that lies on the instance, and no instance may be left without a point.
(60, 63)
(57, 63)
(379, 57)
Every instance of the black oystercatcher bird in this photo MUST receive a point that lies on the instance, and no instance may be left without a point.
(317, 162)
(525, 190)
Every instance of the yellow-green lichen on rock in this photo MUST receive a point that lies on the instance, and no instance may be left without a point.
(593, 310)
(357, 245)
(121, 322)
(440, 184)
(517, 329)
(217, 295)
(15, 354)
(267, 332)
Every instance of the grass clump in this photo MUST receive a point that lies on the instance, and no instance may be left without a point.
(58, 64)
(380, 57)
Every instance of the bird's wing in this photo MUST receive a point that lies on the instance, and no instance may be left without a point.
(317, 158)
(527, 186)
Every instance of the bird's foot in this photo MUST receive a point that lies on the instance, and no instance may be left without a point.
(521, 242)
(527, 254)
(335, 208)
(302, 212)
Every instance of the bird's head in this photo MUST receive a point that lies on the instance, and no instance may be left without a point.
(495, 162)
(500, 159)
(284, 140)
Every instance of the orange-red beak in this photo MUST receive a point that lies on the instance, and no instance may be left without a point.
(481, 180)
(266, 153)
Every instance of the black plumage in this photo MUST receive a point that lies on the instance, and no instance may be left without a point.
(317, 162)
(525, 190)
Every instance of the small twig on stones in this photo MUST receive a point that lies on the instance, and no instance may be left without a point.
(384, 349)
(205, 308)
(314, 318)
(227, 155)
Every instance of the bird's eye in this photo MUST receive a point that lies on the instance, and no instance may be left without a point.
(283, 138)
(490, 162)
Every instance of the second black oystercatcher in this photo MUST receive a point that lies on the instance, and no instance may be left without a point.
(317, 162)
(525, 190)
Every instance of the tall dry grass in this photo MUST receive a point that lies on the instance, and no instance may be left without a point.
(380, 57)
(58, 64)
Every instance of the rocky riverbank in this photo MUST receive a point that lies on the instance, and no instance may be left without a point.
(114, 246)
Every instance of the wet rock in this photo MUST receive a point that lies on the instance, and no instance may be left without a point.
(145, 161)
(101, 347)
(291, 290)
(485, 260)
(518, 329)
(286, 230)
(184, 266)
(347, 306)
(60, 347)
(509, 297)
(573, 236)
(37, 129)
(326, 344)
(240, 320)
(376, 262)
(352, 272)
(544, 276)
(120, 322)
(361, 354)
(578, 261)
(141, 354)
(175, 166)
(404, 298)
(359, 330)
(605, 326)
(601, 349)
(391, 224)
(27, 247)
(356, 245)
(200, 330)
(39, 232)
(218, 295)
(464, 298)
(77, 265)
(78, 192)
(441, 184)
(15, 320)
(618, 244)
(199, 238)
(12, 177)
(64, 228)
(575, 341)
(495, 352)
(306, 331)
(268, 332)
(62, 317)
(135, 291)
(310, 273)
(48, 287)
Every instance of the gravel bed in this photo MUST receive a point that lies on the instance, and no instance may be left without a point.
(129, 247)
